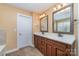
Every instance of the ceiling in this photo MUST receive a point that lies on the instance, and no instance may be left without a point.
(33, 7)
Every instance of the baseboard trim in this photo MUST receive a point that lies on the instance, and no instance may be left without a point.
(31, 45)
(13, 50)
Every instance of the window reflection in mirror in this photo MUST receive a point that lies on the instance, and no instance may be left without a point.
(63, 19)
(44, 24)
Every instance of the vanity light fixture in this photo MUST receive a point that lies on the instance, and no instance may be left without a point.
(43, 15)
(54, 8)
(64, 4)
(59, 6)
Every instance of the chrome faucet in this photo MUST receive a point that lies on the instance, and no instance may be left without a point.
(60, 35)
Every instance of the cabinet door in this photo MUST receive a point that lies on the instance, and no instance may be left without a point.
(39, 44)
(35, 41)
(60, 53)
(50, 50)
(43, 50)
(53, 51)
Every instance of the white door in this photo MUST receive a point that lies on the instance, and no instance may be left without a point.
(24, 31)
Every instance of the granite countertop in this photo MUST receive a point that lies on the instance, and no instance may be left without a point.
(67, 38)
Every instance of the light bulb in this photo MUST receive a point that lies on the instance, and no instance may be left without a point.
(64, 4)
(42, 15)
(54, 8)
(59, 6)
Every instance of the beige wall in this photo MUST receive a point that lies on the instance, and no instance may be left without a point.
(36, 22)
(8, 17)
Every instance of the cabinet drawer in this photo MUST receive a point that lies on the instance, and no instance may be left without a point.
(42, 41)
(59, 45)
(48, 41)
(60, 53)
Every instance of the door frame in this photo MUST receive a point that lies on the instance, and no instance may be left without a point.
(17, 27)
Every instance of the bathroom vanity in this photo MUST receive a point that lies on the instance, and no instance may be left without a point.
(50, 44)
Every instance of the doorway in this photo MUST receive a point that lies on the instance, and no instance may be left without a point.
(24, 30)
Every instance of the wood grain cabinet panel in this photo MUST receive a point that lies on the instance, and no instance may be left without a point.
(50, 48)
(39, 44)
(43, 42)
(35, 41)
(60, 53)
(59, 45)
(43, 50)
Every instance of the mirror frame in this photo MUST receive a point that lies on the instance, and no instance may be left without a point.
(71, 20)
(47, 24)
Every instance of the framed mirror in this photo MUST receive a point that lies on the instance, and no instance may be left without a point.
(63, 20)
(44, 24)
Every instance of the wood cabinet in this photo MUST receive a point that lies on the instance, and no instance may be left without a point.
(43, 50)
(40, 44)
(35, 41)
(50, 47)
(50, 50)
(60, 53)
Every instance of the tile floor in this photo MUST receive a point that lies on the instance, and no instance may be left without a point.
(27, 51)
